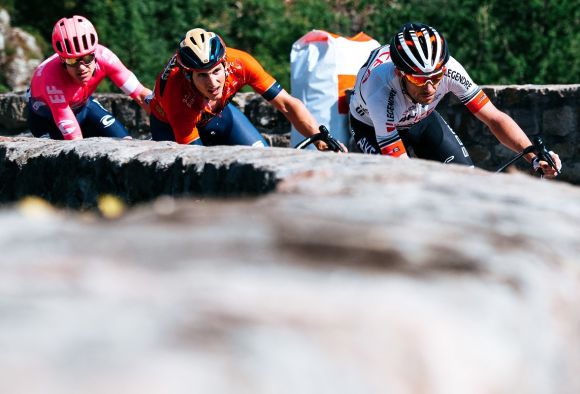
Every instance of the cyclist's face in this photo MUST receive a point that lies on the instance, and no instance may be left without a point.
(210, 83)
(422, 94)
(81, 72)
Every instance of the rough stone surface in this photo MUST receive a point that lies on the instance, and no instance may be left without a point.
(345, 274)
(550, 110)
(19, 54)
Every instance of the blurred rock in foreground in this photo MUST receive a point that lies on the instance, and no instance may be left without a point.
(347, 274)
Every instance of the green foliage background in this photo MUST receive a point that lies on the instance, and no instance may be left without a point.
(498, 41)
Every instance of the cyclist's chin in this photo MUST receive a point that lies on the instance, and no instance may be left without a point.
(425, 99)
(83, 78)
(214, 94)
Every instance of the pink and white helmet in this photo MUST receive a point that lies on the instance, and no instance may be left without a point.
(74, 37)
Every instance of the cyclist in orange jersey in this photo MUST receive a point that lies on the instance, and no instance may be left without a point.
(191, 100)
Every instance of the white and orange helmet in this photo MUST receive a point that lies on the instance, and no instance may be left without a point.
(419, 49)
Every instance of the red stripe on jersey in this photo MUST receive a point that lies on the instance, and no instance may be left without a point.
(395, 149)
(477, 103)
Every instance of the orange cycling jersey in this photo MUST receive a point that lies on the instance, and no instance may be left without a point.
(176, 100)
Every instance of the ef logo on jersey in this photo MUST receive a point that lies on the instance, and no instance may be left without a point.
(55, 95)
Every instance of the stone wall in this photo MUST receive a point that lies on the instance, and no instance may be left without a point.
(552, 111)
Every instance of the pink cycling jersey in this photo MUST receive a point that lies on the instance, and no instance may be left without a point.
(53, 88)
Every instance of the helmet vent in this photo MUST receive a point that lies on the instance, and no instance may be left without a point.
(76, 44)
(68, 48)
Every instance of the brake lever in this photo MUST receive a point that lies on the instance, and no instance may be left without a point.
(543, 153)
(330, 140)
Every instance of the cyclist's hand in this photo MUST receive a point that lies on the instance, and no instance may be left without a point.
(323, 146)
(545, 168)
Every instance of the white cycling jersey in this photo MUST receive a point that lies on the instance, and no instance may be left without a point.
(379, 99)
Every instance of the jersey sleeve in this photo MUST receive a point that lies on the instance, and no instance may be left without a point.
(255, 76)
(54, 95)
(118, 72)
(462, 86)
(66, 121)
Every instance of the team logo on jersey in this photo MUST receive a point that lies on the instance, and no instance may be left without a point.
(168, 67)
(366, 76)
(188, 100)
(411, 113)
(107, 120)
(391, 106)
(366, 146)
(362, 111)
(37, 104)
(66, 127)
(459, 78)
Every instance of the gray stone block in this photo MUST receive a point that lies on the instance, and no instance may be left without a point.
(561, 121)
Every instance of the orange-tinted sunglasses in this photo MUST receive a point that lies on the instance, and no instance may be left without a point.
(422, 80)
(75, 62)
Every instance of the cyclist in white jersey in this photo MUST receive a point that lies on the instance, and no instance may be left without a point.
(392, 108)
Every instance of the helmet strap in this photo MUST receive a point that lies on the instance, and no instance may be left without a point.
(404, 88)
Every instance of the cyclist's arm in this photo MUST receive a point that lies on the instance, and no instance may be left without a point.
(124, 78)
(387, 136)
(296, 113)
(66, 121)
(505, 129)
(143, 98)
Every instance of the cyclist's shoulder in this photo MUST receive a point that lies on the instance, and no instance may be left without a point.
(241, 59)
(106, 56)
(234, 53)
(50, 72)
(379, 81)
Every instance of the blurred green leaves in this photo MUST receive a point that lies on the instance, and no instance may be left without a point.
(520, 42)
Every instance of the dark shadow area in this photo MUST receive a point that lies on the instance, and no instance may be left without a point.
(70, 181)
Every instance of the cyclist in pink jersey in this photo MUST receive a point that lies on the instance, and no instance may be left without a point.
(60, 101)
(392, 109)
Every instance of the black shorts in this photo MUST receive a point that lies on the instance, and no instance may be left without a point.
(430, 139)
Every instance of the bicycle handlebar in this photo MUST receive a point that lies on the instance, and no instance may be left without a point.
(325, 136)
(543, 153)
(539, 148)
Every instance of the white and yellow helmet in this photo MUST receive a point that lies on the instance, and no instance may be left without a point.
(200, 50)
